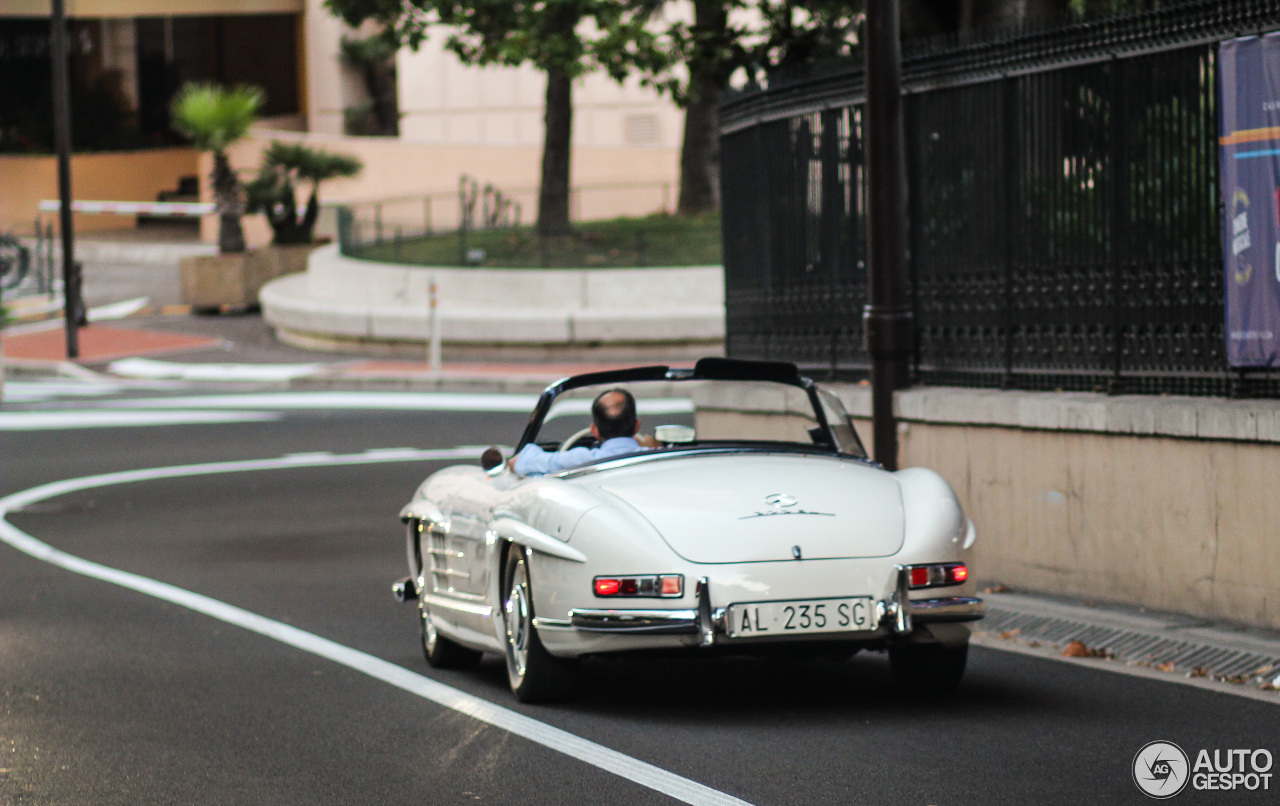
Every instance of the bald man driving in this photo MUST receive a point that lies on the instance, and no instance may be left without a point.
(614, 425)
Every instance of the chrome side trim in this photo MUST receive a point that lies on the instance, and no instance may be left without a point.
(951, 608)
(451, 572)
(652, 622)
(462, 607)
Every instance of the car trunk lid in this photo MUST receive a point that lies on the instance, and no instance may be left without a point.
(764, 507)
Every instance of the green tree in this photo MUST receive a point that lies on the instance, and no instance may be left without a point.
(564, 39)
(274, 191)
(375, 58)
(761, 37)
(215, 117)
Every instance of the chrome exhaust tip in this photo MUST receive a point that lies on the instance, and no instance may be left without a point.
(405, 590)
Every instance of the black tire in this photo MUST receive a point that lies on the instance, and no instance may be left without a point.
(439, 651)
(534, 674)
(928, 668)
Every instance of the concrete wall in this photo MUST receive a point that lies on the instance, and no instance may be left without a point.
(1186, 525)
(446, 102)
(111, 176)
(1170, 503)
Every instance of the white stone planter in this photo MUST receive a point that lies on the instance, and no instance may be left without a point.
(343, 302)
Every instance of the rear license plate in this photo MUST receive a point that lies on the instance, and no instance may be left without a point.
(759, 619)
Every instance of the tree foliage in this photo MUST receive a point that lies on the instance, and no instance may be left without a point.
(274, 192)
(214, 117)
(565, 39)
(374, 57)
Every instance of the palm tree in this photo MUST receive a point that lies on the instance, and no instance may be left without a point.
(284, 167)
(215, 117)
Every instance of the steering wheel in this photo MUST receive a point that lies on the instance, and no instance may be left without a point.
(577, 435)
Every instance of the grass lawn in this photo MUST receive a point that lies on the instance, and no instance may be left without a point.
(657, 240)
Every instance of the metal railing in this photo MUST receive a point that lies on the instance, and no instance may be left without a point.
(1064, 219)
(388, 226)
(26, 262)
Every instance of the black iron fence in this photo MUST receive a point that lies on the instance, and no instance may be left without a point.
(1064, 211)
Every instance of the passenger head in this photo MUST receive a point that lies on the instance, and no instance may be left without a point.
(614, 414)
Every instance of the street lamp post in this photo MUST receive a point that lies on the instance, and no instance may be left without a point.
(888, 326)
(62, 139)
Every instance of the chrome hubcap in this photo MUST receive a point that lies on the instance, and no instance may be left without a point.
(518, 626)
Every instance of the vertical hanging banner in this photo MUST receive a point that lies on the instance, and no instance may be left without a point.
(1249, 155)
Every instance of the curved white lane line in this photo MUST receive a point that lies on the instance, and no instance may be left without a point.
(99, 418)
(597, 755)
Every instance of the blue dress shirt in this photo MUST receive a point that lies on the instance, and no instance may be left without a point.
(534, 461)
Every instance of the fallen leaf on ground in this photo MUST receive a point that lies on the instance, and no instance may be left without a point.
(1167, 666)
(995, 589)
(1009, 633)
(1199, 671)
(1078, 649)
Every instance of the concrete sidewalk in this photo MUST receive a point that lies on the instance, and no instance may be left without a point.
(241, 346)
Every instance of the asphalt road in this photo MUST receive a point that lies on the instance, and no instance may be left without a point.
(111, 696)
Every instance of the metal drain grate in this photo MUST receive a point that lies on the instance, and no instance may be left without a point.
(1189, 646)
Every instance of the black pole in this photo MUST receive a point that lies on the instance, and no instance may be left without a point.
(62, 137)
(886, 321)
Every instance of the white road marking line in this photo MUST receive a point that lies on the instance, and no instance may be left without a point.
(117, 310)
(390, 401)
(597, 755)
(35, 391)
(99, 418)
(150, 368)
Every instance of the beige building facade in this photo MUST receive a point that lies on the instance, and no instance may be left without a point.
(454, 119)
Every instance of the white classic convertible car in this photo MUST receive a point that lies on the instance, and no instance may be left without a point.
(757, 525)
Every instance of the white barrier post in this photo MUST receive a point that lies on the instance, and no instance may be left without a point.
(433, 350)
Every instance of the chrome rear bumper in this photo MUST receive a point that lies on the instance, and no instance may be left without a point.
(711, 623)
(649, 622)
(951, 608)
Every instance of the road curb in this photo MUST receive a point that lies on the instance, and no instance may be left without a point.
(1163, 646)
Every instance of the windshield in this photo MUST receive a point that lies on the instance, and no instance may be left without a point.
(704, 413)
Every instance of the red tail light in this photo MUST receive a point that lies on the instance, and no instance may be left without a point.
(938, 575)
(606, 587)
(664, 586)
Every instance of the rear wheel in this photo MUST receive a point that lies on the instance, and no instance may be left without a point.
(534, 674)
(928, 668)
